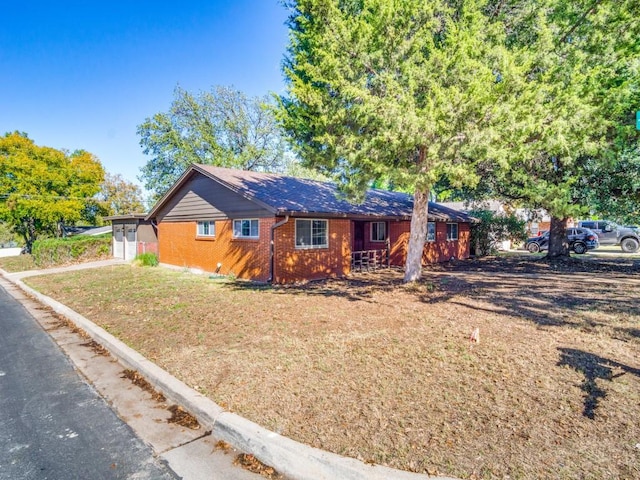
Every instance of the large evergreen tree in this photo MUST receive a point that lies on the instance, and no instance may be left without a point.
(402, 91)
(584, 73)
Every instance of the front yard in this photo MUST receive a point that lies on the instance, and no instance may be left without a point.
(386, 373)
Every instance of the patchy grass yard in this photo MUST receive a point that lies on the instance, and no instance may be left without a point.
(384, 372)
(18, 263)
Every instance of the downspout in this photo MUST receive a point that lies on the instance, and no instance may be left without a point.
(272, 247)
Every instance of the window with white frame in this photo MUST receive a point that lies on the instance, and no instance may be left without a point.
(452, 231)
(207, 229)
(378, 231)
(246, 228)
(312, 233)
(431, 231)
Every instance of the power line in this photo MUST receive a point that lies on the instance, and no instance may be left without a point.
(50, 197)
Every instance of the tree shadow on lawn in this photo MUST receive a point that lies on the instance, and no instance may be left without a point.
(550, 302)
(594, 368)
(360, 287)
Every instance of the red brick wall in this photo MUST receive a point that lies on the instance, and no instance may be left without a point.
(368, 244)
(295, 265)
(147, 247)
(249, 259)
(434, 252)
(244, 258)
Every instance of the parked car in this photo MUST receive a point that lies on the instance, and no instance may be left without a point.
(609, 233)
(580, 241)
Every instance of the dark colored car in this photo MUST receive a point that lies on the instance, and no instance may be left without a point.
(580, 241)
(609, 233)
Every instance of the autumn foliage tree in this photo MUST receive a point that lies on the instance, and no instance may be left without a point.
(41, 188)
(118, 196)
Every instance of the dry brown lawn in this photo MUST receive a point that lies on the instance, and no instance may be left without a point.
(373, 369)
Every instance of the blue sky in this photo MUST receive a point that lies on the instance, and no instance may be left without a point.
(84, 74)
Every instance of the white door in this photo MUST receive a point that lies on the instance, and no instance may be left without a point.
(130, 243)
(118, 241)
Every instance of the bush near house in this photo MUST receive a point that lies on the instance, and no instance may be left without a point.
(62, 251)
(148, 259)
(494, 228)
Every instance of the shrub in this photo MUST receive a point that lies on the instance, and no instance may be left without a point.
(148, 259)
(493, 229)
(62, 251)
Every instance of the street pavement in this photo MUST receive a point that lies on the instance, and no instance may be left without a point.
(54, 425)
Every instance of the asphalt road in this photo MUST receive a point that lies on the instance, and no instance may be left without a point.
(54, 425)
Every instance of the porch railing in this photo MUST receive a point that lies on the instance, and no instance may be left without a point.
(367, 260)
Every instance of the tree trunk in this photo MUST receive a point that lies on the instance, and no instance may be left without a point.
(417, 236)
(28, 232)
(558, 245)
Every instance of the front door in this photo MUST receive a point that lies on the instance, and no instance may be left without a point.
(358, 236)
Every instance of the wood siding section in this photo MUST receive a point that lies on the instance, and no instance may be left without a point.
(202, 198)
(146, 232)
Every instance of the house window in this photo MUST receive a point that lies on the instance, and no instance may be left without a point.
(246, 228)
(431, 231)
(378, 231)
(312, 233)
(452, 231)
(206, 229)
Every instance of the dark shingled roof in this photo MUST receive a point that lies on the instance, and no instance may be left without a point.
(298, 195)
(291, 195)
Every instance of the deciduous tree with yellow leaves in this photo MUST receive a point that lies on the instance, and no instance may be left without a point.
(42, 188)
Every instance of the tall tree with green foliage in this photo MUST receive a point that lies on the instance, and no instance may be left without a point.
(219, 127)
(584, 72)
(399, 91)
(41, 188)
(617, 196)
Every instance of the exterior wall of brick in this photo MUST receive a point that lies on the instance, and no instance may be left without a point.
(296, 265)
(368, 243)
(250, 258)
(244, 258)
(147, 247)
(434, 252)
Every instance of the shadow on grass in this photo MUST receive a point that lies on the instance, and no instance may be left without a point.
(360, 287)
(554, 299)
(594, 368)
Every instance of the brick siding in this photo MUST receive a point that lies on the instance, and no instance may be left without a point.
(434, 252)
(250, 259)
(295, 265)
(244, 258)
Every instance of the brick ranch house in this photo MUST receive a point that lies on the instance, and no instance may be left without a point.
(273, 228)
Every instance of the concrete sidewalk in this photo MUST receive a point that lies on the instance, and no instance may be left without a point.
(292, 459)
(70, 268)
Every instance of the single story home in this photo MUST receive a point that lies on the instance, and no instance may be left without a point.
(273, 228)
(133, 234)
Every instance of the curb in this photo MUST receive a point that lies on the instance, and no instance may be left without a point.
(290, 458)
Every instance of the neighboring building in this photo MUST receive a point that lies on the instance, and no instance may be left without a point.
(537, 221)
(133, 234)
(92, 231)
(273, 228)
